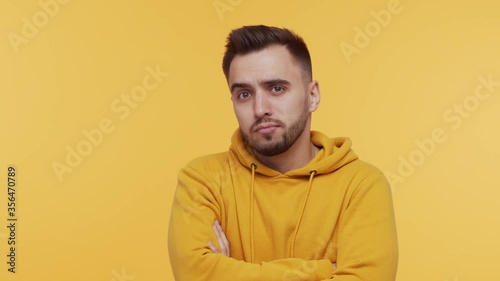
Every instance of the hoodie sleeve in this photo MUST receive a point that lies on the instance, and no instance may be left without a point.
(367, 238)
(195, 208)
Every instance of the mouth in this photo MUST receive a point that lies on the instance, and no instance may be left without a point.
(266, 128)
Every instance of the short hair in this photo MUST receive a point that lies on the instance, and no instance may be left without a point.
(254, 38)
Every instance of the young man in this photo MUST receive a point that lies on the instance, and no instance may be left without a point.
(285, 202)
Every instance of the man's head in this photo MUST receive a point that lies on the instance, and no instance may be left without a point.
(254, 38)
(268, 71)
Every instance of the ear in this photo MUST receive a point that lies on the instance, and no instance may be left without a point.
(314, 95)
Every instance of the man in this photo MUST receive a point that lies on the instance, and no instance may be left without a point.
(285, 202)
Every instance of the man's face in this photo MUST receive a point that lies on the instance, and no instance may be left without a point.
(271, 99)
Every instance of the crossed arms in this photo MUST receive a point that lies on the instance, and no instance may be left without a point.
(225, 248)
(198, 204)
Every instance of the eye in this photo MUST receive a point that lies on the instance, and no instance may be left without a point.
(244, 95)
(277, 89)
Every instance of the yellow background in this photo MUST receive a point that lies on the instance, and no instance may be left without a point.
(109, 216)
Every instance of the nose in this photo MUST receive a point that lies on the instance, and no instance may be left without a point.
(262, 105)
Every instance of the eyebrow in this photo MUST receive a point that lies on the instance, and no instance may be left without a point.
(266, 83)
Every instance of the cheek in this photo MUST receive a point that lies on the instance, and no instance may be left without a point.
(291, 110)
(243, 116)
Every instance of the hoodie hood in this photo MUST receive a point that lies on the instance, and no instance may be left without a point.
(334, 153)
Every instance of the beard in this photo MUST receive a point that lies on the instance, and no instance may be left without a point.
(273, 143)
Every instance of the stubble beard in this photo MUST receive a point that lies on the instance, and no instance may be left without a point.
(282, 143)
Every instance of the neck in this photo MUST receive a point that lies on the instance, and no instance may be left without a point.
(297, 156)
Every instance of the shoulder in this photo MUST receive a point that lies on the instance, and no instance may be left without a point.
(204, 171)
(368, 179)
(363, 169)
(206, 160)
(361, 174)
(208, 163)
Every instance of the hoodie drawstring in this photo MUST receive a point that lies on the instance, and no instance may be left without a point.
(292, 247)
(254, 167)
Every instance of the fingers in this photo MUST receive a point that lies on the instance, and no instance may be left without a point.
(212, 247)
(222, 239)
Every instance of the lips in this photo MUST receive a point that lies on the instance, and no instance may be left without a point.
(266, 128)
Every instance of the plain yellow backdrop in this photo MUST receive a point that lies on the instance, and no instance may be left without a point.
(102, 102)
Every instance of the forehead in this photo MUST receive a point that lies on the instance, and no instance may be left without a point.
(270, 63)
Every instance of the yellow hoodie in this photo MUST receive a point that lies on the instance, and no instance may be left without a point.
(284, 227)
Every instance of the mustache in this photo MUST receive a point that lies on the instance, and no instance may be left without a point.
(266, 119)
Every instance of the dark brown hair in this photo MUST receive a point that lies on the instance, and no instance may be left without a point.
(254, 38)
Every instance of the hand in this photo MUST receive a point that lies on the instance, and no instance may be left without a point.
(334, 265)
(222, 240)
